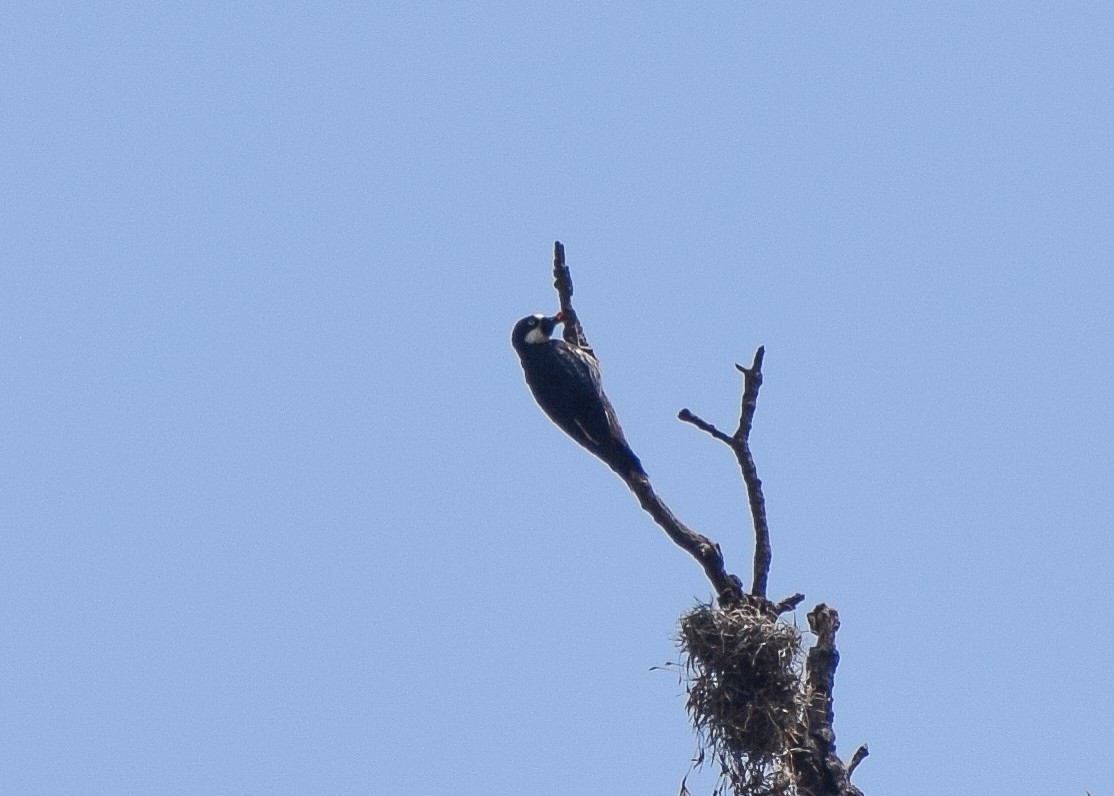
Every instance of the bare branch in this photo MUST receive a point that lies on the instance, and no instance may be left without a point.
(688, 417)
(729, 589)
(787, 605)
(739, 442)
(819, 770)
(562, 277)
(752, 381)
(573, 332)
(858, 757)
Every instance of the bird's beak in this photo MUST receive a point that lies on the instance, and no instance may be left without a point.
(551, 322)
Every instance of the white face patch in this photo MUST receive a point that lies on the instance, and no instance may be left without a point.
(536, 335)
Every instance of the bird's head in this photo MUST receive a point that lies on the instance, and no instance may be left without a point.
(534, 329)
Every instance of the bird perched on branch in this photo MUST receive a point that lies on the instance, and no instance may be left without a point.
(565, 381)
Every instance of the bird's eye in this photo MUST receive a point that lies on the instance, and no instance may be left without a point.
(532, 322)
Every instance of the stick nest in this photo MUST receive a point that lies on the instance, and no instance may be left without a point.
(745, 696)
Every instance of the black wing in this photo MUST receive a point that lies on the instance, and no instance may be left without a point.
(566, 384)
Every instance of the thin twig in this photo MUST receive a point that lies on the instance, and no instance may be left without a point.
(688, 417)
(787, 605)
(858, 757)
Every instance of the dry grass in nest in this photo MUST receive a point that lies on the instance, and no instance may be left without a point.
(744, 693)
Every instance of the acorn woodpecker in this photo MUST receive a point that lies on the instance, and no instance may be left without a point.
(565, 381)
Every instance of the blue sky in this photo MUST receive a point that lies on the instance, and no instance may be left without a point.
(279, 515)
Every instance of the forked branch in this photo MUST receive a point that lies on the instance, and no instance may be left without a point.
(739, 443)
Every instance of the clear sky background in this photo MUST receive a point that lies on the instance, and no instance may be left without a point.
(278, 514)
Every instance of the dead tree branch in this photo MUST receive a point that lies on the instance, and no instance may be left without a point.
(819, 770)
(739, 443)
(787, 605)
(728, 587)
(573, 332)
(858, 757)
